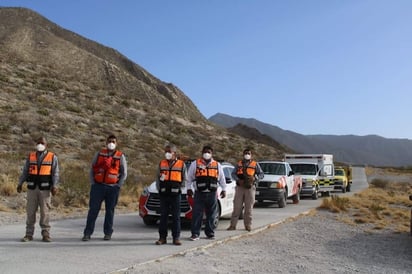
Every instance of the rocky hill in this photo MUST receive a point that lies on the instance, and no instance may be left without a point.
(76, 91)
(351, 149)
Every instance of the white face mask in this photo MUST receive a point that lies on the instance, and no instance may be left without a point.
(247, 156)
(168, 155)
(111, 146)
(207, 156)
(40, 147)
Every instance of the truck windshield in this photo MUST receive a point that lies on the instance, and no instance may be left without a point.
(304, 169)
(339, 172)
(273, 168)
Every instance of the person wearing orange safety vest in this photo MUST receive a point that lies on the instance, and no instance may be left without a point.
(246, 173)
(204, 176)
(170, 179)
(107, 175)
(41, 173)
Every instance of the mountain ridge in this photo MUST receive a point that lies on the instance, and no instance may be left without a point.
(351, 149)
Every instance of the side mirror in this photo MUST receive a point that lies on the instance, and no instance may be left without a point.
(228, 180)
(291, 173)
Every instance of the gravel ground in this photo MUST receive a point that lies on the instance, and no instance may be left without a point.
(309, 244)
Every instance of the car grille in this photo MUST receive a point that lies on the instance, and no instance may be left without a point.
(153, 203)
(264, 184)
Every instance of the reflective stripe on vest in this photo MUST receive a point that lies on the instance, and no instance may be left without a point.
(107, 167)
(172, 176)
(206, 175)
(40, 174)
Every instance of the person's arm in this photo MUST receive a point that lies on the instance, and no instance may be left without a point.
(259, 172)
(158, 178)
(25, 172)
(221, 179)
(123, 170)
(55, 171)
(91, 174)
(234, 173)
(184, 176)
(191, 176)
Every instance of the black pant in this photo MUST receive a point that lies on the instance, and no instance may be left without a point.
(169, 204)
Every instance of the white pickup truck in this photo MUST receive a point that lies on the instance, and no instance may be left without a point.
(149, 201)
(278, 184)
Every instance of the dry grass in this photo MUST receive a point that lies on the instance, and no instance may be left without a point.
(8, 189)
(383, 206)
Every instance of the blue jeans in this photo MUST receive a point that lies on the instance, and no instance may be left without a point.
(169, 204)
(98, 194)
(204, 202)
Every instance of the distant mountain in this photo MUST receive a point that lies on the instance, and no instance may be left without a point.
(370, 149)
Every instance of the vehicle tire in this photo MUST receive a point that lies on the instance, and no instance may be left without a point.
(296, 197)
(348, 187)
(344, 189)
(149, 220)
(217, 216)
(315, 194)
(282, 200)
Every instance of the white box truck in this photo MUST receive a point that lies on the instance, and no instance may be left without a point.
(317, 172)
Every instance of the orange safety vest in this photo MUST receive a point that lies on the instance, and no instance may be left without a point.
(250, 169)
(206, 175)
(40, 174)
(172, 176)
(107, 168)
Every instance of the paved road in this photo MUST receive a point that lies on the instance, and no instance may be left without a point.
(132, 243)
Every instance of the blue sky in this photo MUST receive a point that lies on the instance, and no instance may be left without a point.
(313, 67)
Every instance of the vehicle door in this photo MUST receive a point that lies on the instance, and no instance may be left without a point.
(227, 202)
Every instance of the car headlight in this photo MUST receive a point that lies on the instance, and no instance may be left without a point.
(274, 185)
(145, 192)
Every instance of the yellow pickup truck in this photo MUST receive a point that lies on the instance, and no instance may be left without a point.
(341, 178)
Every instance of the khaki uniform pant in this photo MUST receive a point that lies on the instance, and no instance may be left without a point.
(38, 198)
(244, 197)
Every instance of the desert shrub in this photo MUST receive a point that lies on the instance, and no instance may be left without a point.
(8, 189)
(335, 204)
(379, 183)
(74, 185)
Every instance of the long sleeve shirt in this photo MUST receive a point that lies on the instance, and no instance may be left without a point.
(55, 172)
(191, 176)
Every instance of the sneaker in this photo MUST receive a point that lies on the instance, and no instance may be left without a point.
(107, 237)
(248, 228)
(161, 241)
(177, 242)
(210, 237)
(27, 238)
(231, 228)
(46, 238)
(86, 238)
(194, 238)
